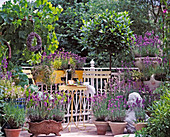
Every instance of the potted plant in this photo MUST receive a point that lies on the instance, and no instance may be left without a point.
(42, 73)
(45, 110)
(149, 45)
(14, 117)
(140, 115)
(117, 112)
(99, 109)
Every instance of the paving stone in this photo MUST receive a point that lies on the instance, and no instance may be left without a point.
(88, 131)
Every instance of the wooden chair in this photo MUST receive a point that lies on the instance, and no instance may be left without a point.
(97, 79)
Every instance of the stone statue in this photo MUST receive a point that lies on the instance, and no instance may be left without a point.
(130, 113)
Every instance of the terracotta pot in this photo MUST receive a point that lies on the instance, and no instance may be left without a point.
(12, 132)
(101, 126)
(139, 126)
(45, 127)
(117, 127)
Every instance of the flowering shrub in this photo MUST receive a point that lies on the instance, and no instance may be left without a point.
(149, 45)
(99, 107)
(43, 106)
(117, 108)
(10, 90)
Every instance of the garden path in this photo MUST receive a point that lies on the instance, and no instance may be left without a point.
(90, 131)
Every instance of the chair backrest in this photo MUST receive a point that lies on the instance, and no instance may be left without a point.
(29, 74)
(97, 79)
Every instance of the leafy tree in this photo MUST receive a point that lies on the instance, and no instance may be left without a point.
(108, 32)
(69, 24)
(20, 18)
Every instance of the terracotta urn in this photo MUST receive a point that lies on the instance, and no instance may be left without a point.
(139, 126)
(45, 127)
(12, 132)
(117, 127)
(102, 127)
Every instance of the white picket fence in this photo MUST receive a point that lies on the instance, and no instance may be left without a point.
(81, 104)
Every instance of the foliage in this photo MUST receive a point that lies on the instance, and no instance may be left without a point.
(107, 32)
(69, 24)
(149, 45)
(18, 19)
(13, 115)
(99, 107)
(138, 12)
(117, 108)
(44, 72)
(19, 77)
(42, 106)
(158, 123)
(139, 108)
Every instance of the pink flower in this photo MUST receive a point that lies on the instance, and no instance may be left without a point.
(164, 11)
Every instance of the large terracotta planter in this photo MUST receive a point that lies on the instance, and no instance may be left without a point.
(101, 126)
(12, 132)
(139, 126)
(45, 127)
(141, 61)
(79, 74)
(117, 127)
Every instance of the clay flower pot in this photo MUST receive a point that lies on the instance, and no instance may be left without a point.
(12, 132)
(117, 127)
(101, 126)
(45, 127)
(139, 126)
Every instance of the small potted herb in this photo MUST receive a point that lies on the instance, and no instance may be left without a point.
(140, 115)
(14, 117)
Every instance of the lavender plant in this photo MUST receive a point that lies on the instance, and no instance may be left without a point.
(139, 108)
(149, 45)
(117, 108)
(99, 107)
(43, 106)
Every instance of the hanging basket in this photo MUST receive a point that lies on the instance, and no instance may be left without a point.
(30, 39)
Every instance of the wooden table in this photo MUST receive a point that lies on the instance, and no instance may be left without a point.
(72, 89)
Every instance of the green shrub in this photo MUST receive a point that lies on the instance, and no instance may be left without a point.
(159, 123)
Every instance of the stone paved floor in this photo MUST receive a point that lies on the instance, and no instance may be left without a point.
(89, 131)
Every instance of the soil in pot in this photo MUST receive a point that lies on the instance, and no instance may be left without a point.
(160, 77)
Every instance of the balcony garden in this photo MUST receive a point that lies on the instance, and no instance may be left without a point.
(46, 45)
